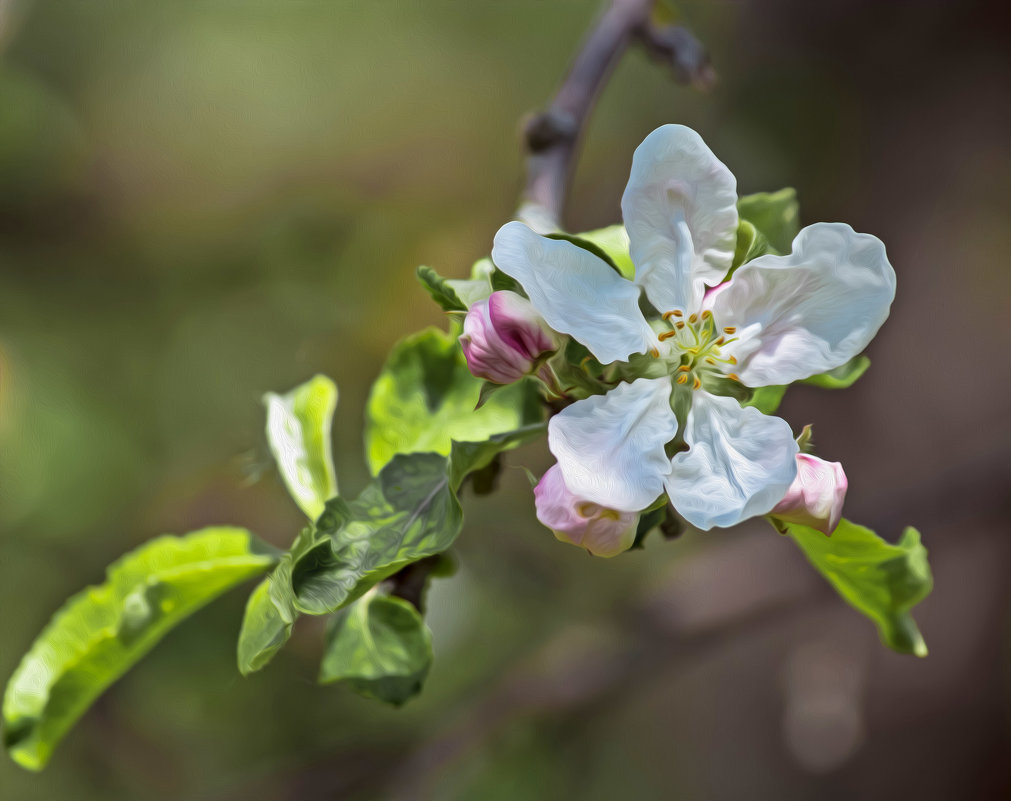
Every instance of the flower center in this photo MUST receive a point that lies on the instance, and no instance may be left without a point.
(697, 347)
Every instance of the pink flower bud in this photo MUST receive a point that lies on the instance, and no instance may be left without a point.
(503, 336)
(816, 496)
(602, 531)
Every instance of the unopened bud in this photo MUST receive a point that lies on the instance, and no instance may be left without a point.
(503, 336)
(815, 498)
(601, 531)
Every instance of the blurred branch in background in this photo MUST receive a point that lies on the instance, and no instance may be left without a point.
(552, 136)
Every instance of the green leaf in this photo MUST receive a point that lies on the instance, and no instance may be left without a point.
(270, 611)
(298, 431)
(407, 513)
(468, 457)
(477, 287)
(588, 245)
(101, 632)
(841, 377)
(381, 646)
(775, 215)
(613, 241)
(440, 290)
(425, 397)
(767, 399)
(265, 628)
(881, 580)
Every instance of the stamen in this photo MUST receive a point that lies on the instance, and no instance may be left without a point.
(697, 383)
(667, 335)
(710, 360)
(733, 377)
(679, 325)
(730, 329)
(733, 360)
(706, 314)
(720, 341)
(683, 378)
(684, 368)
(654, 352)
(693, 318)
(674, 313)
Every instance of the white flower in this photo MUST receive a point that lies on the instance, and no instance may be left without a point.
(778, 320)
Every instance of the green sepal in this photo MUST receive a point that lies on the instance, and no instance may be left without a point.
(425, 397)
(440, 290)
(649, 520)
(380, 646)
(805, 439)
(104, 630)
(299, 434)
(841, 377)
(751, 244)
(882, 580)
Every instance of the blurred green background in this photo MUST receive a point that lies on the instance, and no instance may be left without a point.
(204, 201)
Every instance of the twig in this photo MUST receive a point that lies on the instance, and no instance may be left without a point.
(552, 137)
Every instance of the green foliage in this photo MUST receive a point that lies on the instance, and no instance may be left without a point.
(425, 397)
(408, 512)
(774, 215)
(613, 241)
(588, 245)
(266, 627)
(298, 431)
(767, 399)
(440, 290)
(101, 632)
(881, 580)
(841, 377)
(381, 646)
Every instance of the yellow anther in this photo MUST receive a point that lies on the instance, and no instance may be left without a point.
(720, 341)
(733, 360)
(667, 335)
(654, 352)
(710, 360)
(684, 368)
(706, 314)
(683, 378)
(697, 383)
(693, 318)
(733, 377)
(674, 313)
(679, 324)
(730, 329)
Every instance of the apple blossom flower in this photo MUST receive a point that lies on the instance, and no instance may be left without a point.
(777, 320)
(503, 336)
(601, 531)
(815, 498)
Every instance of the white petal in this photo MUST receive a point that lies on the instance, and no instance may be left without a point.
(680, 210)
(808, 312)
(739, 464)
(610, 448)
(575, 292)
